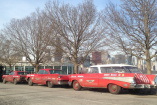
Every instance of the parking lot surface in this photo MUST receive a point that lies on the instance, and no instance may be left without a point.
(22, 94)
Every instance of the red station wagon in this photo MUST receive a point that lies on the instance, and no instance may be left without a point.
(49, 77)
(114, 77)
(15, 77)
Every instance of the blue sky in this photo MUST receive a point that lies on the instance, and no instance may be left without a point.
(19, 9)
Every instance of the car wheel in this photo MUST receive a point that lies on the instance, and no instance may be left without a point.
(4, 81)
(50, 84)
(15, 81)
(30, 83)
(114, 89)
(76, 85)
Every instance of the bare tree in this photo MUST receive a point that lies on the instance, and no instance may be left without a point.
(31, 36)
(78, 27)
(8, 55)
(133, 28)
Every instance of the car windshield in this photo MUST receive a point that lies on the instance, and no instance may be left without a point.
(22, 73)
(133, 69)
(56, 72)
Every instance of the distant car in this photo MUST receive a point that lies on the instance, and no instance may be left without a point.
(49, 77)
(114, 77)
(15, 77)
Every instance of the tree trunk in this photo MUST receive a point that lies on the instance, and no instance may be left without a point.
(10, 68)
(36, 68)
(148, 61)
(76, 68)
(149, 67)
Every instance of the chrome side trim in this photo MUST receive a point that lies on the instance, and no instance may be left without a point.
(123, 79)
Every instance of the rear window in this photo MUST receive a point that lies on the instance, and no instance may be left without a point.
(56, 72)
(42, 72)
(22, 73)
(12, 73)
(132, 70)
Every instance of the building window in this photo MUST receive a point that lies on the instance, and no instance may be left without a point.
(29, 69)
(48, 67)
(41, 67)
(64, 68)
(8, 69)
(70, 70)
(19, 68)
(57, 67)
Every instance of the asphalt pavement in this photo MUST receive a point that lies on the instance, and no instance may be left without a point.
(22, 94)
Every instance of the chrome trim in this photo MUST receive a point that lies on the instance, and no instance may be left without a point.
(70, 83)
(123, 79)
(62, 82)
(141, 86)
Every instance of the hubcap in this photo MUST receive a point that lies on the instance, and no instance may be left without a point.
(76, 85)
(113, 88)
(50, 83)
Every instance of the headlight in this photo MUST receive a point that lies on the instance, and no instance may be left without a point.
(153, 83)
(133, 81)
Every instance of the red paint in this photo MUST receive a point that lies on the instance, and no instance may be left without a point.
(102, 80)
(97, 79)
(15, 75)
(151, 78)
(55, 78)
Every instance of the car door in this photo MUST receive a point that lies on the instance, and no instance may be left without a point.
(92, 78)
(44, 77)
(10, 77)
(7, 77)
(38, 77)
(105, 73)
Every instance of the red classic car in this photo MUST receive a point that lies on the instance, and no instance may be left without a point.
(15, 77)
(115, 77)
(49, 77)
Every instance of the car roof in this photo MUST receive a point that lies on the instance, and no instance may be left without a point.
(112, 65)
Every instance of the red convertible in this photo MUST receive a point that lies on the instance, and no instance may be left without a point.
(114, 77)
(49, 77)
(15, 77)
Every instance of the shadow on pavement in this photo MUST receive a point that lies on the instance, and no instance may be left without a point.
(124, 91)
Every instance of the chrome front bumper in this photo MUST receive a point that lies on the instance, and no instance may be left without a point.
(142, 86)
(70, 83)
(62, 82)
